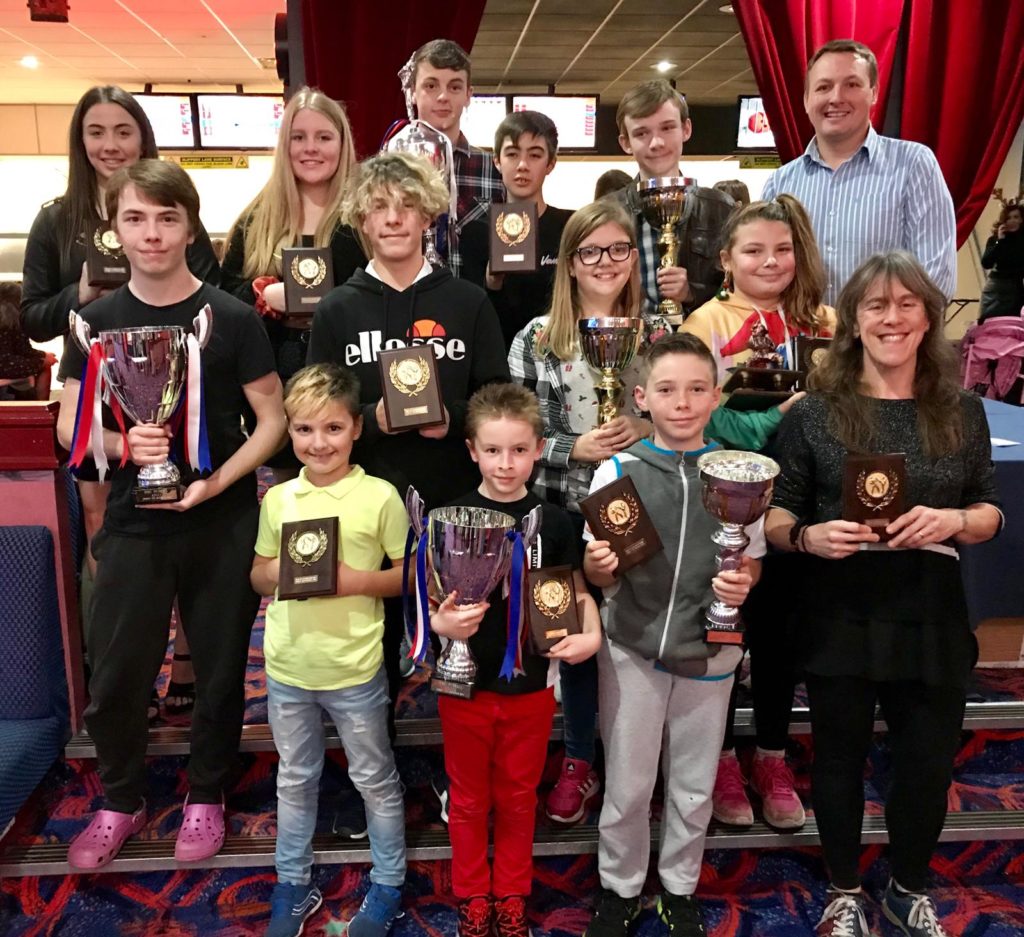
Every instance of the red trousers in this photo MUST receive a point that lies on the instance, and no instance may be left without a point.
(495, 747)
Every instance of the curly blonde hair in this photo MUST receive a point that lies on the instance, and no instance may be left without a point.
(395, 177)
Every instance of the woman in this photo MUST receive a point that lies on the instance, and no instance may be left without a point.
(888, 385)
(596, 276)
(1003, 293)
(299, 206)
(774, 282)
(108, 130)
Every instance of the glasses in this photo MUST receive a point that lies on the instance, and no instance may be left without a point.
(590, 255)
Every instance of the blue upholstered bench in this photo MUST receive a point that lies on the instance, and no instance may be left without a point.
(33, 691)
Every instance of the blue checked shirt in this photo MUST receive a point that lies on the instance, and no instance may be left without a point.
(890, 195)
(478, 184)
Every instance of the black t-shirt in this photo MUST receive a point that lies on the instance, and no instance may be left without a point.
(523, 296)
(237, 354)
(555, 546)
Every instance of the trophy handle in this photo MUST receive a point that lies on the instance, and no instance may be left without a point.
(531, 526)
(202, 326)
(414, 508)
(79, 330)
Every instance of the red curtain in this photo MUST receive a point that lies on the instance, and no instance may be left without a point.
(353, 51)
(963, 93)
(781, 35)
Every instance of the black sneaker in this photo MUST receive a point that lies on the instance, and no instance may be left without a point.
(476, 915)
(350, 817)
(914, 914)
(612, 915)
(510, 917)
(439, 782)
(682, 914)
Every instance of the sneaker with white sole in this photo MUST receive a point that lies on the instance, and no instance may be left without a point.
(914, 914)
(772, 780)
(576, 786)
(290, 907)
(729, 802)
(844, 917)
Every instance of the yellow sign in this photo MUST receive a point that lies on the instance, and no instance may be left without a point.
(214, 162)
(760, 161)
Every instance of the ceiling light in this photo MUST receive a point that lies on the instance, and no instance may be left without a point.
(664, 66)
(727, 8)
(28, 61)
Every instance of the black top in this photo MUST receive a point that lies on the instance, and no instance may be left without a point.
(1005, 257)
(49, 289)
(555, 546)
(523, 296)
(18, 359)
(238, 353)
(883, 614)
(355, 320)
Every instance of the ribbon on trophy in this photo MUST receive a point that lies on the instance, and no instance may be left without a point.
(197, 442)
(417, 609)
(88, 435)
(512, 664)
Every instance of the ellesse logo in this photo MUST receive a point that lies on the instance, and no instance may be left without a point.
(422, 332)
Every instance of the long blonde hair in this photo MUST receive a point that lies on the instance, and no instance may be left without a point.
(272, 220)
(560, 335)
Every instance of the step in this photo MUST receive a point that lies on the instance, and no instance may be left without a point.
(258, 851)
(174, 740)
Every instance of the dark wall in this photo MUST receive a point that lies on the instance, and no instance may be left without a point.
(714, 130)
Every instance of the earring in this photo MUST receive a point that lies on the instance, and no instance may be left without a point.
(725, 288)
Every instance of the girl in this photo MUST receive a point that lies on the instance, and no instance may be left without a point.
(299, 206)
(108, 130)
(774, 281)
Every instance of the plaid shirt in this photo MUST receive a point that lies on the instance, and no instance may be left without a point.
(542, 373)
(478, 184)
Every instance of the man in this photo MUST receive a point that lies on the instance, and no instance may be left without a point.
(198, 549)
(865, 193)
(654, 123)
(441, 91)
(526, 149)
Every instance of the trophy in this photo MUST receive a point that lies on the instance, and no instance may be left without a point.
(608, 346)
(146, 370)
(661, 201)
(418, 138)
(737, 491)
(470, 550)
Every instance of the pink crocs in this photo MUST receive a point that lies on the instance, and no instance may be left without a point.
(201, 834)
(103, 838)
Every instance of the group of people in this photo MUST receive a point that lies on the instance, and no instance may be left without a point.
(520, 432)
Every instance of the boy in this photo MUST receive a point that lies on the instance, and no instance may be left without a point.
(658, 679)
(495, 743)
(325, 653)
(525, 148)
(654, 123)
(438, 79)
(196, 549)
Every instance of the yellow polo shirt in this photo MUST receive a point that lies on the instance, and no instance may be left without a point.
(332, 642)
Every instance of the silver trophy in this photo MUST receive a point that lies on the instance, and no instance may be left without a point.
(737, 491)
(608, 345)
(145, 369)
(418, 138)
(662, 200)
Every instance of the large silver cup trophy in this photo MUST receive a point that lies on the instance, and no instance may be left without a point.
(662, 200)
(420, 139)
(145, 368)
(737, 491)
(609, 345)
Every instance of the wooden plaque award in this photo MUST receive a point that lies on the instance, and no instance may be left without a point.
(759, 388)
(514, 234)
(105, 262)
(874, 489)
(551, 606)
(308, 558)
(410, 386)
(308, 278)
(615, 513)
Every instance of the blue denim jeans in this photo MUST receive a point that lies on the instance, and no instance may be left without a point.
(579, 707)
(360, 714)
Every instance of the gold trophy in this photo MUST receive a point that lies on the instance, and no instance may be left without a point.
(608, 346)
(662, 200)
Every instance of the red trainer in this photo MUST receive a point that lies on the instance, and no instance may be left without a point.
(201, 834)
(103, 838)
(510, 917)
(475, 916)
(575, 787)
(772, 780)
(730, 804)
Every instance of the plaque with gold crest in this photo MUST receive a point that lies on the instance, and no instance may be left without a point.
(874, 489)
(308, 560)
(615, 513)
(411, 389)
(105, 262)
(551, 606)
(308, 278)
(513, 243)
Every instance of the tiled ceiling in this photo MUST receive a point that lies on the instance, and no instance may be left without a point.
(602, 45)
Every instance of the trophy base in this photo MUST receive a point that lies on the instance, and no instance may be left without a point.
(451, 687)
(722, 634)
(158, 494)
